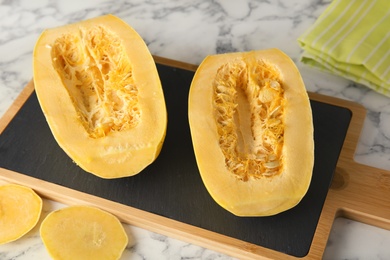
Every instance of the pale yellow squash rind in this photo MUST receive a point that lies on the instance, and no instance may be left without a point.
(20, 210)
(118, 154)
(83, 232)
(262, 196)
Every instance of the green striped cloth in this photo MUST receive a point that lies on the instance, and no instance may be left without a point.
(352, 39)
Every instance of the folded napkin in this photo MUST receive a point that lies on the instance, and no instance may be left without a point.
(352, 39)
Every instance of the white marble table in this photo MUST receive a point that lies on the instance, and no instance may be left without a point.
(188, 31)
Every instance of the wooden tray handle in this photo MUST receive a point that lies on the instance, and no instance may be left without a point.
(358, 192)
(362, 193)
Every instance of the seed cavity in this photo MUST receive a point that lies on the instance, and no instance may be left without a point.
(97, 74)
(248, 108)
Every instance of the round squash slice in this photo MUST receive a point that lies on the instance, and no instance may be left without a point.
(20, 209)
(99, 89)
(83, 232)
(252, 131)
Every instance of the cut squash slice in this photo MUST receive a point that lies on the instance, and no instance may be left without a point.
(83, 232)
(99, 89)
(20, 209)
(252, 131)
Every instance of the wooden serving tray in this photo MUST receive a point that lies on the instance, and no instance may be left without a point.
(168, 197)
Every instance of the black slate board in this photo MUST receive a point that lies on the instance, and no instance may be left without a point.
(172, 186)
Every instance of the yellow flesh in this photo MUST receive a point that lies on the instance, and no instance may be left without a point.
(83, 232)
(98, 77)
(248, 104)
(252, 131)
(20, 209)
(99, 89)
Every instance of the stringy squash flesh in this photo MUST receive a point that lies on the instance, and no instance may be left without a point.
(99, 89)
(97, 74)
(83, 232)
(20, 210)
(248, 104)
(252, 131)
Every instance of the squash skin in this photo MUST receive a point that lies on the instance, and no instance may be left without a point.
(118, 154)
(256, 196)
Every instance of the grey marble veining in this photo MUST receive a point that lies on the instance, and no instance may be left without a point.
(188, 31)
